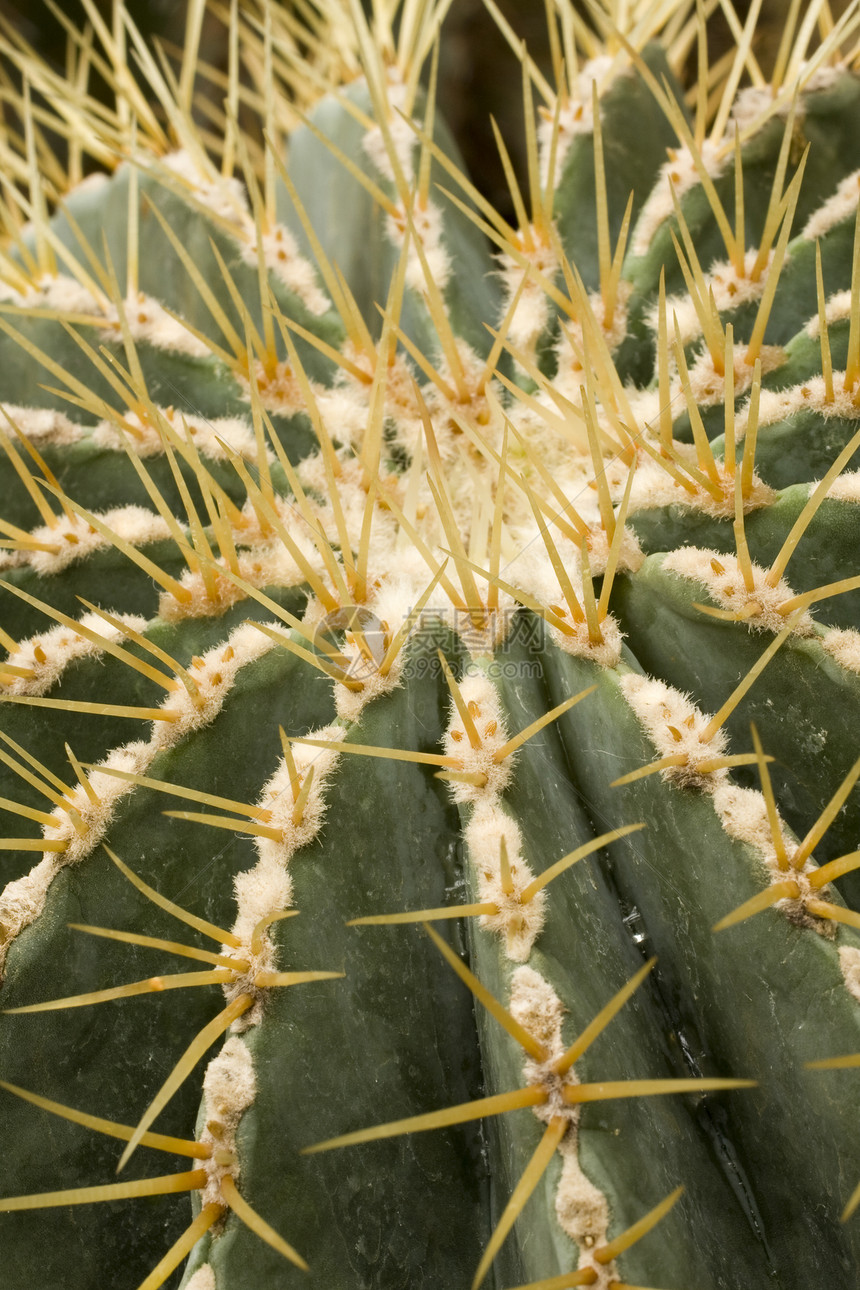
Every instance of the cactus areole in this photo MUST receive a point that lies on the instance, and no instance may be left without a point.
(430, 659)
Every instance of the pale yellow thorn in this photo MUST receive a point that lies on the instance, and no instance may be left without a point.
(7, 642)
(46, 776)
(29, 812)
(583, 1277)
(704, 452)
(478, 778)
(259, 929)
(518, 1032)
(575, 1094)
(302, 799)
(589, 601)
(765, 306)
(770, 801)
(27, 478)
(152, 985)
(400, 636)
(615, 545)
(93, 709)
(258, 1225)
(853, 1202)
(742, 58)
(824, 335)
(826, 818)
(606, 1253)
(200, 924)
(425, 915)
(163, 1186)
(563, 577)
(208, 1215)
(369, 750)
(267, 979)
(32, 844)
(594, 1028)
(848, 1062)
(162, 1142)
(663, 382)
(786, 890)
(723, 761)
(642, 772)
(328, 669)
(834, 869)
(451, 1115)
(227, 822)
(534, 1171)
(752, 675)
(183, 1068)
(460, 703)
(170, 585)
(535, 726)
(571, 858)
(811, 506)
(505, 870)
(178, 790)
(838, 913)
(158, 943)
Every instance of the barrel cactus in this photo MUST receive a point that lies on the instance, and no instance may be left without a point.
(434, 627)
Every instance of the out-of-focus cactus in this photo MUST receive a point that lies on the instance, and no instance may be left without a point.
(485, 597)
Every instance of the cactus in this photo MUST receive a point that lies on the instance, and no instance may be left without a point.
(436, 631)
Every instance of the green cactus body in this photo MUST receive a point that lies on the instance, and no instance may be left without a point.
(387, 594)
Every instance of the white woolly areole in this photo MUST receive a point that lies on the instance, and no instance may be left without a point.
(721, 575)
(149, 321)
(224, 197)
(426, 225)
(577, 642)
(74, 539)
(214, 675)
(482, 700)
(678, 173)
(147, 440)
(840, 206)
(582, 1210)
(267, 888)
(849, 963)
(48, 655)
(743, 814)
(95, 817)
(203, 1279)
(277, 798)
(779, 405)
(43, 425)
(674, 725)
(517, 923)
(281, 255)
(843, 645)
(23, 900)
(229, 1088)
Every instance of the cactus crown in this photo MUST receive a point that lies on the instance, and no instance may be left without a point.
(480, 594)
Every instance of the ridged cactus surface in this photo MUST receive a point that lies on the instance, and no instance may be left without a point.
(430, 664)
